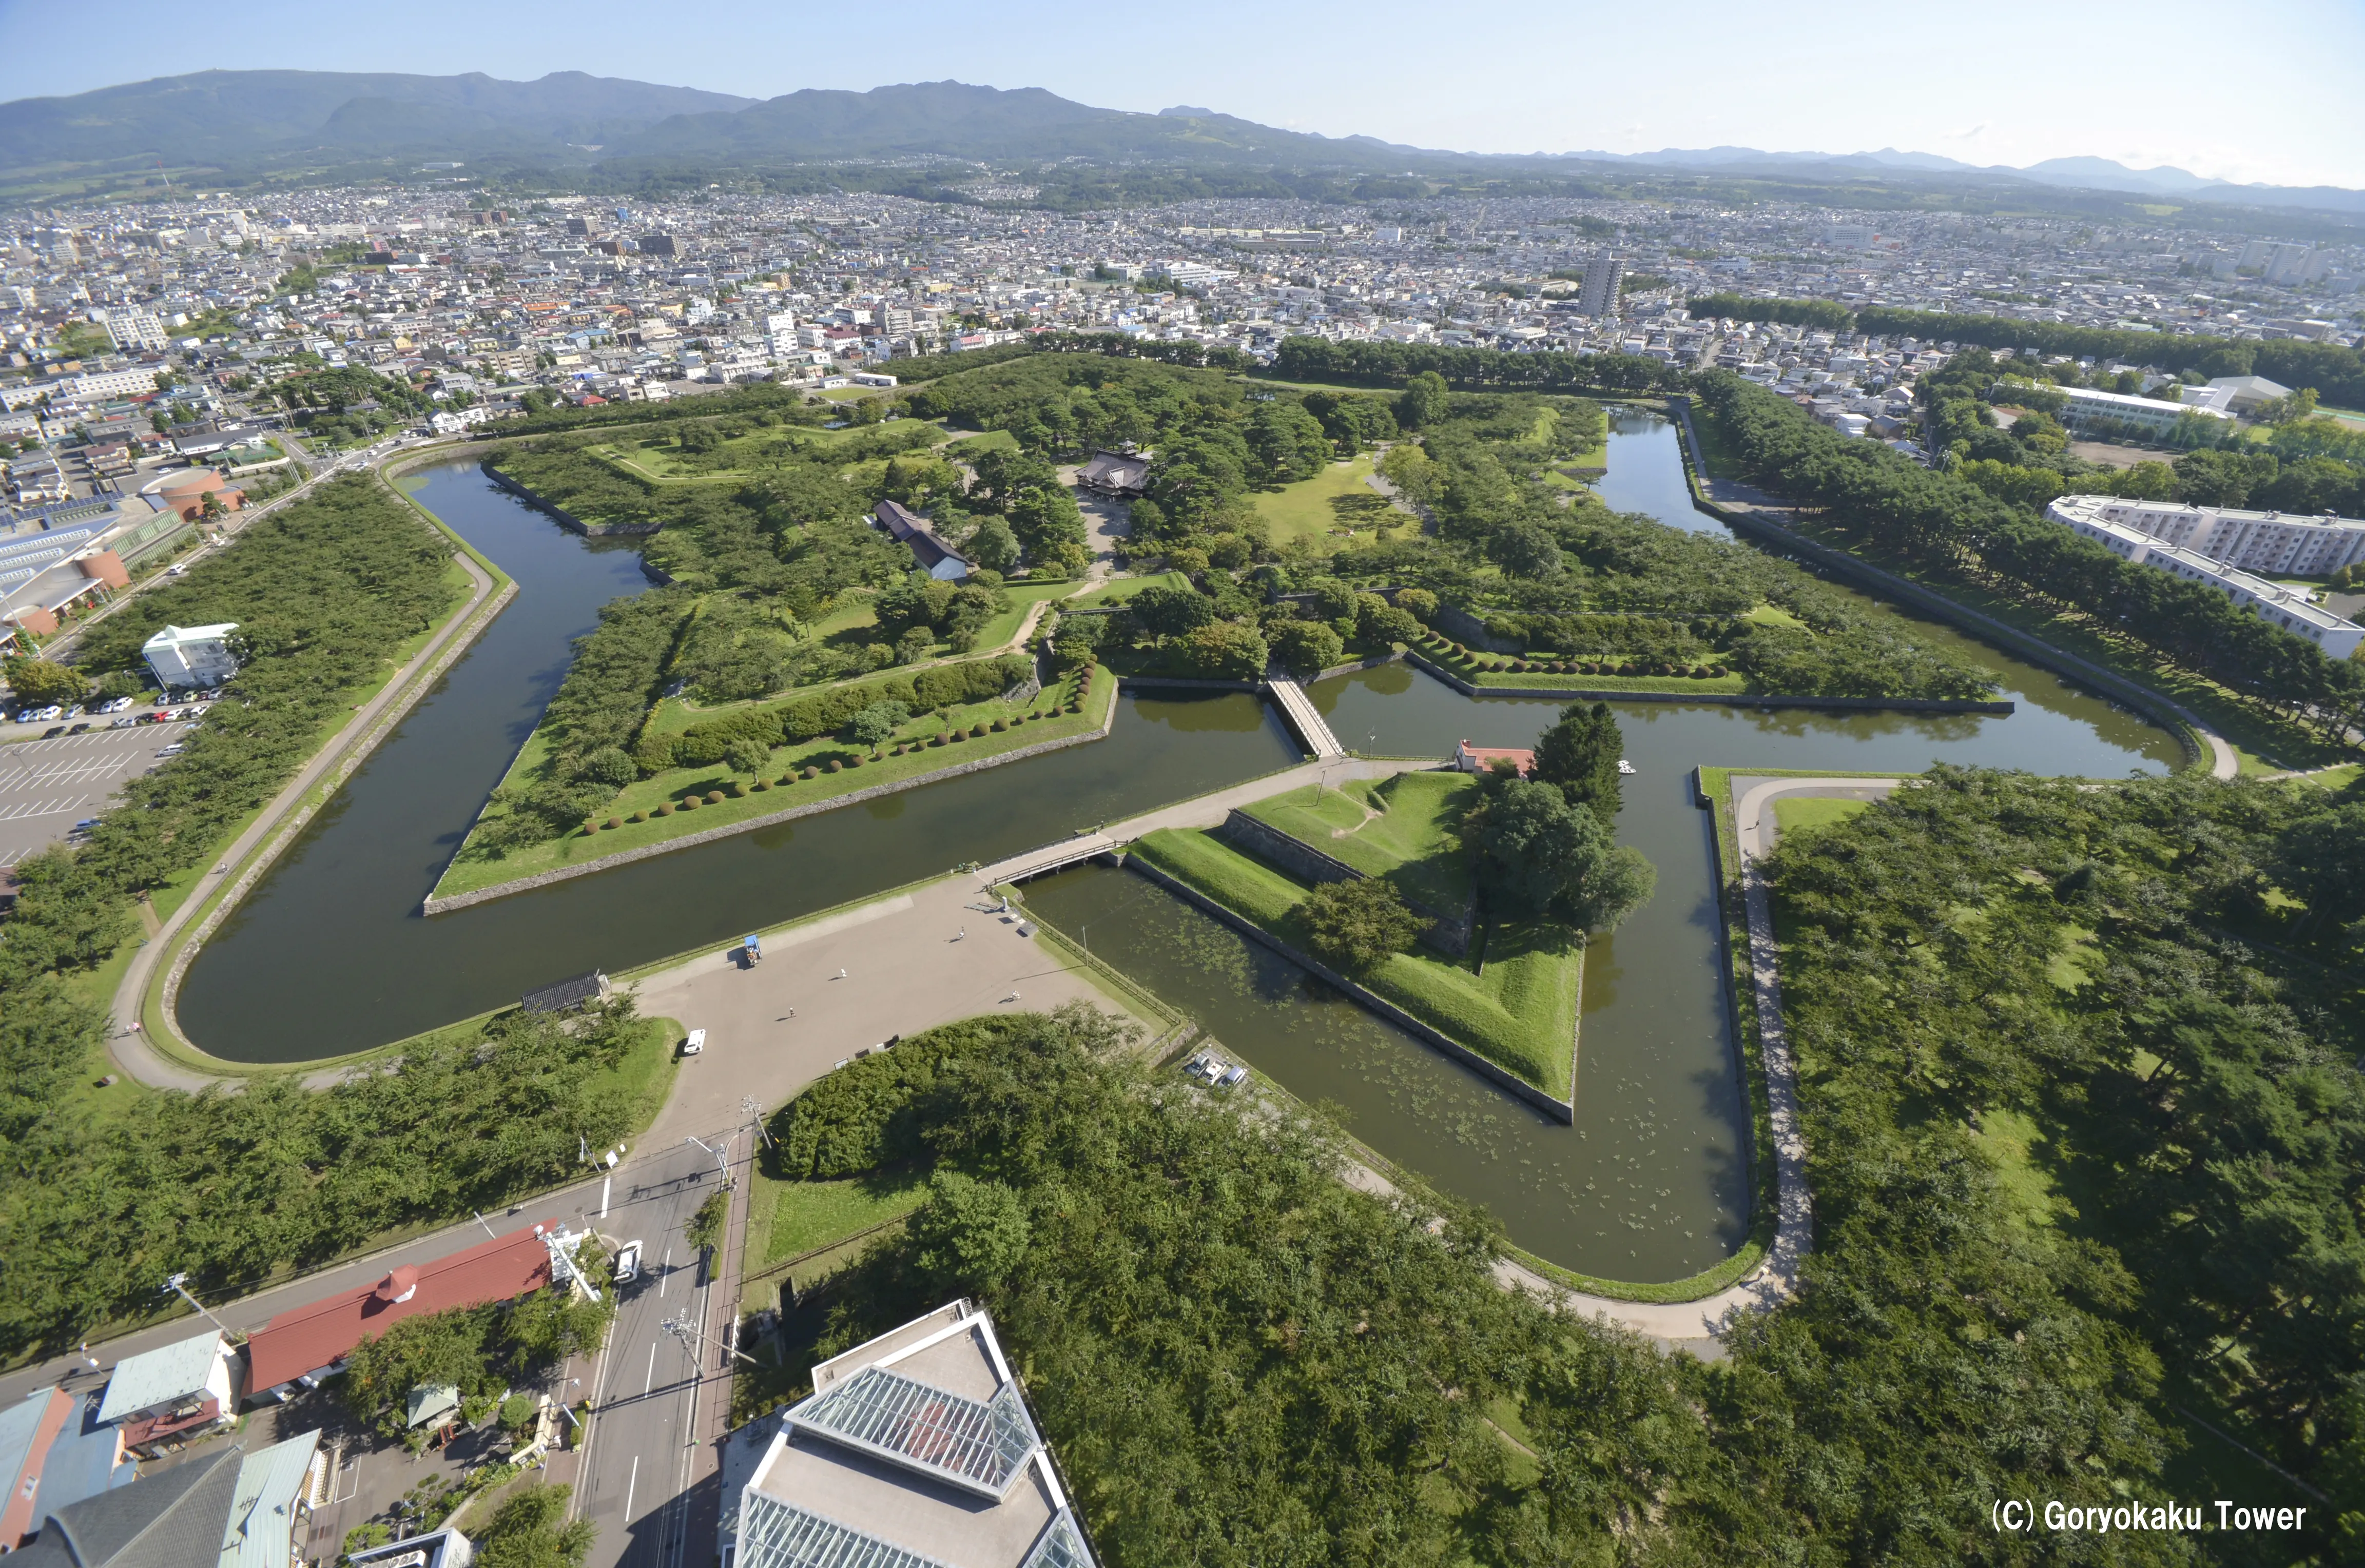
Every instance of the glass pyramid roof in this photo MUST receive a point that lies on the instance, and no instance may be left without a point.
(978, 1447)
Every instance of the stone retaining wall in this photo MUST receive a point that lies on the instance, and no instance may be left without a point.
(1446, 933)
(1725, 698)
(770, 819)
(1559, 1110)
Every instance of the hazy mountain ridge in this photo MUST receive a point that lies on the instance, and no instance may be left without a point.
(246, 120)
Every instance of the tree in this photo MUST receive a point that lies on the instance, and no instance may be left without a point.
(1222, 650)
(745, 755)
(531, 1530)
(1539, 856)
(1306, 647)
(1171, 611)
(705, 1226)
(993, 546)
(1423, 401)
(969, 1231)
(1580, 755)
(1043, 519)
(1526, 551)
(876, 724)
(2320, 858)
(41, 682)
(1288, 443)
(1357, 924)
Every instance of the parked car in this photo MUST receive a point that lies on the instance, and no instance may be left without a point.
(695, 1044)
(197, 708)
(43, 715)
(174, 750)
(145, 718)
(628, 1264)
(85, 824)
(123, 723)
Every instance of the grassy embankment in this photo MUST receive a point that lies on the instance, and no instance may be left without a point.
(1405, 829)
(1513, 1001)
(1502, 670)
(1027, 725)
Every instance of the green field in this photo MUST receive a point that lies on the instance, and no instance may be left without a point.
(801, 1217)
(1806, 811)
(1330, 510)
(680, 785)
(1123, 588)
(1517, 1008)
(1406, 828)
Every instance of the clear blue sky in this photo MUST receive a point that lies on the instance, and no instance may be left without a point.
(2273, 90)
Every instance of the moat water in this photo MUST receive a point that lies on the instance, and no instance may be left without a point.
(329, 955)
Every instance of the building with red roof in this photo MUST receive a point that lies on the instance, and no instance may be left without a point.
(1471, 758)
(309, 1342)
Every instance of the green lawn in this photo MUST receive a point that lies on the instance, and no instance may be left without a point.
(683, 784)
(1519, 1010)
(1806, 811)
(797, 1217)
(1122, 589)
(1404, 828)
(1331, 510)
(965, 447)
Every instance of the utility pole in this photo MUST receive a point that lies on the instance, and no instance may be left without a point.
(694, 1340)
(756, 1116)
(180, 1283)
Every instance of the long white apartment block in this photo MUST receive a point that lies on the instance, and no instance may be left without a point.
(2232, 547)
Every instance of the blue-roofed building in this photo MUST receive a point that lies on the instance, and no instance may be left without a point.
(914, 1450)
(173, 1393)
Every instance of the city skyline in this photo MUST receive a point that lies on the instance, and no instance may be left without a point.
(2022, 88)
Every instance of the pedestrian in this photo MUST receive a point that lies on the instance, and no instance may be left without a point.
(841, 974)
(962, 934)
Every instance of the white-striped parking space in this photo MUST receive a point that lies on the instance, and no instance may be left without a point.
(47, 786)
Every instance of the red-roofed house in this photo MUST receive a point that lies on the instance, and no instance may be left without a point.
(307, 1343)
(1481, 758)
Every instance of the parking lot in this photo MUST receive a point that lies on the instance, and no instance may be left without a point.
(45, 786)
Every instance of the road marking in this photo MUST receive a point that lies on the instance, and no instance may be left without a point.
(664, 1273)
(636, 1481)
(649, 1382)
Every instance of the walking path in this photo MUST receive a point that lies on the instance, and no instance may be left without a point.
(286, 815)
(1772, 511)
(1701, 1325)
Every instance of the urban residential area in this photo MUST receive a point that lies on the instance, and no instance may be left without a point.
(934, 827)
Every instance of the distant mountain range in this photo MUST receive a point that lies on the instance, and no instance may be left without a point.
(2068, 174)
(249, 125)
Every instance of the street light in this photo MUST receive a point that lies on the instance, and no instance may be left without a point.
(180, 1283)
(722, 1167)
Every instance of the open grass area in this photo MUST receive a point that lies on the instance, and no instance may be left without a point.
(1332, 510)
(1800, 811)
(1120, 590)
(1027, 725)
(965, 447)
(803, 1216)
(1514, 1002)
(1406, 828)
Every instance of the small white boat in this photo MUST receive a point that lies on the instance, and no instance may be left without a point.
(1624, 766)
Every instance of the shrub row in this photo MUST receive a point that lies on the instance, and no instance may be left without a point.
(824, 713)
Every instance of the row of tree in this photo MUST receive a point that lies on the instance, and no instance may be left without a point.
(1942, 522)
(2334, 370)
(234, 1187)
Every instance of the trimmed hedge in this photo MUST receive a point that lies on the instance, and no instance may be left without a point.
(825, 712)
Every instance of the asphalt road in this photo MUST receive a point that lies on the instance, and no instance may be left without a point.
(45, 786)
(648, 1475)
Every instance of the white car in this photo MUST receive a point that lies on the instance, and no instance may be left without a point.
(695, 1044)
(628, 1264)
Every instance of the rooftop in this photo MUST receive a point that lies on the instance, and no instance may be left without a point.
(916, 1450)
(307, 1339)
(161, 1376)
